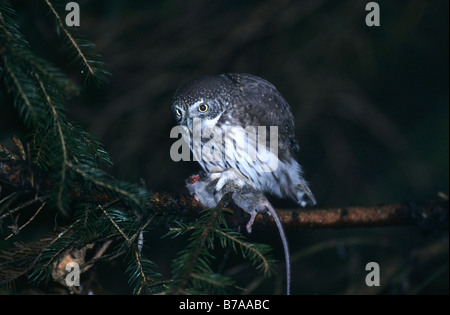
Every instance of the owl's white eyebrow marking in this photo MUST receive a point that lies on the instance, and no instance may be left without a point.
(197, 103)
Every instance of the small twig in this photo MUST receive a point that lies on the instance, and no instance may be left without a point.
(7, 197)
(97, 256)
(115, 225)
(22, 206)
(26, 223)
(8, 152)
(141, 270)
(139, 231)
(19, 146)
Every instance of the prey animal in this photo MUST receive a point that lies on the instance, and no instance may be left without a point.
(227, 108)
(246, 198)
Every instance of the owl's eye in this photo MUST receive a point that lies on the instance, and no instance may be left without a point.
(178, 112)
(203, 108)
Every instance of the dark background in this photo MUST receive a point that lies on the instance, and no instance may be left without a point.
(371, 107)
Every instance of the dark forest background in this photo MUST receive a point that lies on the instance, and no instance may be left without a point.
(371, 107)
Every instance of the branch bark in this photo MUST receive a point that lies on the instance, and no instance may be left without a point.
(426, 214)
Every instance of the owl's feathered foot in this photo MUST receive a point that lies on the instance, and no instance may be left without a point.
(230, 178)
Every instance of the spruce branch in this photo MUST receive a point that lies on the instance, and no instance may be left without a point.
(40, 92)
(53, 248)
(116, 225)
(65, 158)
(66, 154)
(258, 254)
(20, 65)
(20, 90)
(99, 178)
(193, 270)
(91, 62)
(142, 275)
(195, 258)
(69, 36)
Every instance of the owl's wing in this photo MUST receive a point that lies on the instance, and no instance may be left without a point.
(267, 104)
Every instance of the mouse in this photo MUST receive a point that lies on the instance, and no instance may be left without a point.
(252, 201)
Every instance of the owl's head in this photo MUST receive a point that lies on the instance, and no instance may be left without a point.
(205, 98)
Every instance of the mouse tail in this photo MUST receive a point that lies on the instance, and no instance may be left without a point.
(285, 246)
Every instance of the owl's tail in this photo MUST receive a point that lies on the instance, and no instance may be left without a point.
(304, 196)
(296, 186)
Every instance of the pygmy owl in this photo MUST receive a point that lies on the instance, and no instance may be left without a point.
(230, 110)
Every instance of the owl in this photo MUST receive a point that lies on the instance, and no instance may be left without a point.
(245, 122)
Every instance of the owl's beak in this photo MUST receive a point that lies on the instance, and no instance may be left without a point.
(189, 124)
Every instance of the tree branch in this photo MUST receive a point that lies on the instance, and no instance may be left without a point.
(429, 215)
(432, 214)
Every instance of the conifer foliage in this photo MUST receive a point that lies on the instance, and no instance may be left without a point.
(63, 156)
